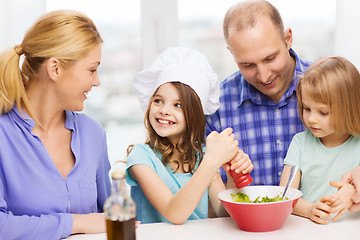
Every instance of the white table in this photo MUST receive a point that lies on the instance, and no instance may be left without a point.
(294, 228)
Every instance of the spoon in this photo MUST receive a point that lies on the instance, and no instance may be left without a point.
(290, 179)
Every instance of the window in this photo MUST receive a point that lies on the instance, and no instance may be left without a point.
(313, 29)
(114, 104)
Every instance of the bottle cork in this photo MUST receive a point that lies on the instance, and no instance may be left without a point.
(117, 174)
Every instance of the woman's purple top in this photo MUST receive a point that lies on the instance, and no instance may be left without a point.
(36, 202)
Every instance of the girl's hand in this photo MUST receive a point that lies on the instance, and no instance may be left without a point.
(240, 163)
(222, 147)
(343, 198)
(320, 211)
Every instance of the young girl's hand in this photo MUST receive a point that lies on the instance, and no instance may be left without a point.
(343, 198)
(320, 211)
(240, 163)
(222, 146)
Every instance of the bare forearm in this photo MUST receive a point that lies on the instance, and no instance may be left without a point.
(318, 212)
(302, 208)
(215, 187)
(191, 194)
(88, 223)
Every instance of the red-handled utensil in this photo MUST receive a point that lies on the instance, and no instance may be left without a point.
(241, 180)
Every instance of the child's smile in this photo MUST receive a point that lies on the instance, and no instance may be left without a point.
(165, 122)
(166, 115)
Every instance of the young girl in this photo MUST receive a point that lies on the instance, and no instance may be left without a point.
(328, 97)
(170, 175)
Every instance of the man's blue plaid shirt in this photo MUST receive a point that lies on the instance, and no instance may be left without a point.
(263, 128)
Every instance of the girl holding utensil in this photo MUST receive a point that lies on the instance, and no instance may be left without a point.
(328, 96)
(172, 175)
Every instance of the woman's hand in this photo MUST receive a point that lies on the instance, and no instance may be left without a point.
(89, 223)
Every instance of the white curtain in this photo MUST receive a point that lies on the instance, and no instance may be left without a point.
(16, 16)
(159, 27)
(347, 32)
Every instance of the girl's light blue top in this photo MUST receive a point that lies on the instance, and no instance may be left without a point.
(319, 164)
(146, 213)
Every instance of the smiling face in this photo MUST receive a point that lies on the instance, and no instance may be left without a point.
(166, 115)
(262, 55)
(77, 81)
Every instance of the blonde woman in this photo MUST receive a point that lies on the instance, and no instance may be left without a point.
(328, 96)
(53, 160)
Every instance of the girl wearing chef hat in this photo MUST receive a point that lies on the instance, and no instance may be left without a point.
(171, 175)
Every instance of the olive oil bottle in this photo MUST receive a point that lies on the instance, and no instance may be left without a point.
(120, 210)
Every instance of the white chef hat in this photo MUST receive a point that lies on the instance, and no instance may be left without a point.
(179, 64)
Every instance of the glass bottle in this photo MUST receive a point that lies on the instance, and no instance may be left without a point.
(120, 210)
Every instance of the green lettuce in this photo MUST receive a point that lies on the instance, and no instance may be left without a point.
(242, 197)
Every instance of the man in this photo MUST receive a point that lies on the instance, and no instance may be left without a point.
(259, 101)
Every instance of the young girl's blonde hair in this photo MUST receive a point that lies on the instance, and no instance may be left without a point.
(334, 81)
(64, 34)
